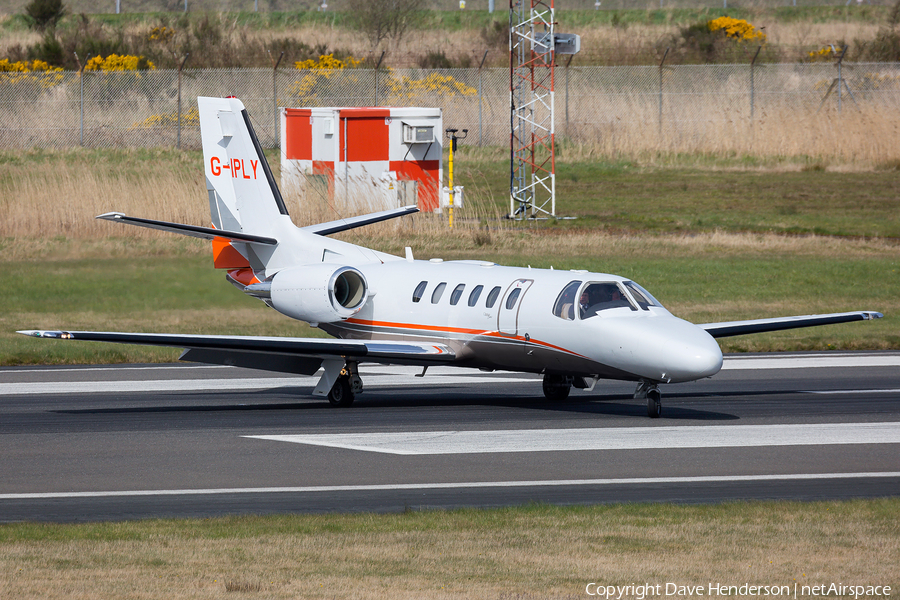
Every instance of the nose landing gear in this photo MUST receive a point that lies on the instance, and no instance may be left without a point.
(648, 390)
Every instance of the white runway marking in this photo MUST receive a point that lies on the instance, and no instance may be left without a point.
(218, 385)
(611, 438)
(811, 361)
(450, 486)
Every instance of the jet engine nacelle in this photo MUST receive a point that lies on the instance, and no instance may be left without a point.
(319, 293)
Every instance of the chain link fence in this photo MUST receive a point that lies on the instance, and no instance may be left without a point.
(621, 108)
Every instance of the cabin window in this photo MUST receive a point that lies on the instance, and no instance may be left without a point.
(602, 296)
(511, 299)
(457, 294)
(564, 308)
(492, 297)
(476, 292)
(641, 296)
(438, 292)
(419, 291)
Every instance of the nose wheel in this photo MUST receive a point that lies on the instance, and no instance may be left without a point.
(649, 391)
(556, 387)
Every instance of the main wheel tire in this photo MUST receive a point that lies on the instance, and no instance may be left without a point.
(341, 395)
(654, 404)
(556, 387)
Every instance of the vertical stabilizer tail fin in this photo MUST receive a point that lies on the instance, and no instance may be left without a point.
(243, 195)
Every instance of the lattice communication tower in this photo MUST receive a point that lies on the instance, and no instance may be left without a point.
(531, 77)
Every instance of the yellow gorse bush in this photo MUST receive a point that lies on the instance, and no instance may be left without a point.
(161, 34)
(26, 67)
(191, 118)
(738, 29)
(116, 62)
(434, 84)
(327, 62)
(824, 53)
(36, 75)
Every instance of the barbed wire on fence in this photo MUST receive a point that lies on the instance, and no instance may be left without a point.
(688, 107)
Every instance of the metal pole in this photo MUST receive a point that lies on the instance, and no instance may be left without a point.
(840, 79)
(480, 97)
(178, 143)
(752, 87)
(378, 66)
(568, 62)
(81, 82)
(275, 97)
(661, 92)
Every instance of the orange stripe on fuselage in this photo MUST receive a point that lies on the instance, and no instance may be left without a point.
(448, 330)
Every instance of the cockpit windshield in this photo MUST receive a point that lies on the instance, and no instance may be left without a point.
(596, 297)
(642, 296)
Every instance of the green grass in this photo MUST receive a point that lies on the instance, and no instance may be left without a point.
(729, 194)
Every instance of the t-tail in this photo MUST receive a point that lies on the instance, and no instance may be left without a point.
(252, 234)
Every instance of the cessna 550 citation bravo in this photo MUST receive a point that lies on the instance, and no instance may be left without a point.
(573, 327)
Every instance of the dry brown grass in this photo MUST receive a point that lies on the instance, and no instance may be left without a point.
(512, 553)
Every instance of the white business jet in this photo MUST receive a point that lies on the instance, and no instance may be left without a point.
(574, 327)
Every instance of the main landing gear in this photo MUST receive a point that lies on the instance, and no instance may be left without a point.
(648, 391)
(340, 382)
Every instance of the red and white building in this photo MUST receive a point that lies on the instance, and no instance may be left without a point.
(363, 159)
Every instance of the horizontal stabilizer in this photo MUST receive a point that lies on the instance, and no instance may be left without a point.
(206, 233)
(354, 222)
(239, 350)
(730, 328)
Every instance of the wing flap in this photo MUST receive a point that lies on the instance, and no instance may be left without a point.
(731, 328)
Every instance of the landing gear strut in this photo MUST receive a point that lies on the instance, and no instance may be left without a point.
(346, 387)
(647, 390)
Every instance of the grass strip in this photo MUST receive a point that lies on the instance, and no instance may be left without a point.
(534, 551)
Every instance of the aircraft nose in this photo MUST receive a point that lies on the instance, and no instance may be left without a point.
(693, 354)
(665, 349)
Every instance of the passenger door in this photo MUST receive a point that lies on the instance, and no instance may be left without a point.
(508, 311)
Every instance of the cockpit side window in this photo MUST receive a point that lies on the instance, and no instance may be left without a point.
(564, 308)
(641, 296)
(602, 296)
(419, 291)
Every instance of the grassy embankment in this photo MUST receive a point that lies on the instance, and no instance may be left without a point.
(457, 38)
(527, 552)
(714, 239)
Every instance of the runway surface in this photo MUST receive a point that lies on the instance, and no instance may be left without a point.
(141, 441)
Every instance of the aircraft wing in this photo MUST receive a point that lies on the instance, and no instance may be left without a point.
(730, 328)
(290, 355)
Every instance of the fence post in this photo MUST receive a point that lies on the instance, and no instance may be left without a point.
(752, 86)
(661, 92)
(568, 62)
(81, 82)
(840, 79)
(378, 66)
(275, 136)
(480, 96)
(178, 142)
